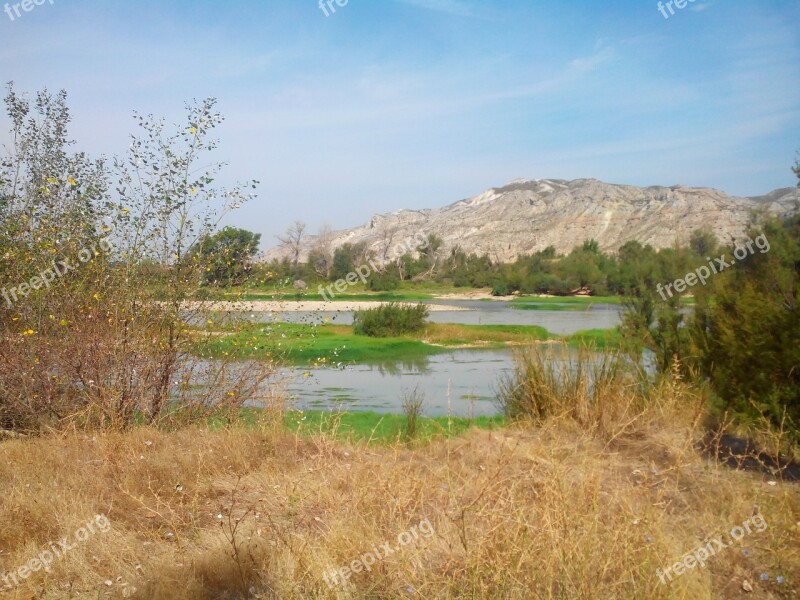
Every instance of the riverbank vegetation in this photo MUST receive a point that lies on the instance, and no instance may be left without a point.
(742, 336)
(391, 319)
(339, 345)
(93, 331)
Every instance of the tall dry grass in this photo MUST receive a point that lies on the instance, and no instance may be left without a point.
(604, 393)
(560, 510)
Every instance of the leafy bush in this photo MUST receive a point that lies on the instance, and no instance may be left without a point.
(501, 288)
(746, 330)
(383, 282)
(391, 319)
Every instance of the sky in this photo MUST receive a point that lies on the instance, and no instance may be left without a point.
(378, 105)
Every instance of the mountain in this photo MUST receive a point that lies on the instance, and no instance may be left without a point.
(528, 215)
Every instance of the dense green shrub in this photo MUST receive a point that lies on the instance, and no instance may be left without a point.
(501, 288)
(391, 319)
(746, 329)
(383, 282)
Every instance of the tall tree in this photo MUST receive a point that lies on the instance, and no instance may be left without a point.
(292, 241)
(226, 256)
(320, 257)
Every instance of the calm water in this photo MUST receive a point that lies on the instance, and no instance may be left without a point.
(560, 322)
(462, 383)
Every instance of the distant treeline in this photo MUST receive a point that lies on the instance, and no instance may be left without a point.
(586, 268)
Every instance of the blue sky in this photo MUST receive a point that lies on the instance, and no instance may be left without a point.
(391, 104)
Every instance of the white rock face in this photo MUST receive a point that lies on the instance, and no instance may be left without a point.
(525, 216)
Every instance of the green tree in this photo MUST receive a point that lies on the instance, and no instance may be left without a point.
(346, 258)
(592, 246)
(703, 242)
(583, 267)
(226, 256)
(746, 328)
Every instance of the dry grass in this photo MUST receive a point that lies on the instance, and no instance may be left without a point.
(550, 512)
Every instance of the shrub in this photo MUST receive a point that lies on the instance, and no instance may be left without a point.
(391, 319)
(501, 288)
(383, 282)
(601, 392)
(412, 407)
(746, 330)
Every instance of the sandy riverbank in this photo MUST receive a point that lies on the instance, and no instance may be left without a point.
(298, 306)
(485, 294)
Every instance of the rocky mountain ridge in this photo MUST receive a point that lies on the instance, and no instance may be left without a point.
(528, 215)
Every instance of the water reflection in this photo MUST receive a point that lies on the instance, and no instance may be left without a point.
(461, 383)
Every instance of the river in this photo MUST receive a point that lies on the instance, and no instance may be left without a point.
(460, 383)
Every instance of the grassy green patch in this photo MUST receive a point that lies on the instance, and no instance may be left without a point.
(362, 426)
(596, 338)
(309, 344)
(408, 291)
(551, 306)
(383, 428)
(451, 334)
(568, 300)
(578, 300)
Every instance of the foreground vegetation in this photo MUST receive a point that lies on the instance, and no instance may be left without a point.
(584, 505)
